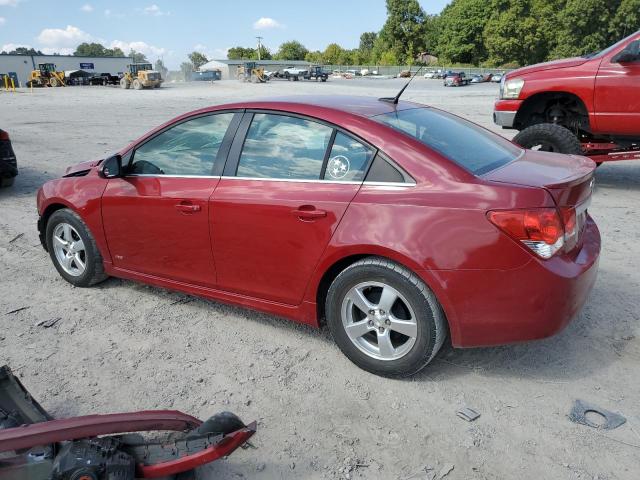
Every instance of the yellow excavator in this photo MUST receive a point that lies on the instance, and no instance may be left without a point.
(250, 72)
(46, 76)
(139, 76)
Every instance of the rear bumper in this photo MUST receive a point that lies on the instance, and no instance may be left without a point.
(491, 307)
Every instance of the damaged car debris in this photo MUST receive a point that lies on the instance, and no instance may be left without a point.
(581, 409)
(34, 446)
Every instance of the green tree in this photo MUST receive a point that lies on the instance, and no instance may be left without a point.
(333, 54)
(367, 39)
(292, 50)
(23, 51)
(515, 33)
(626, 20)
(314, 57)
(404, 31)
(97, 50)
(138, 57)
(241, 53)
(197, 59)
(460, 31)
(159, 67)
(584, 27)
(186, 68)
(265, 53)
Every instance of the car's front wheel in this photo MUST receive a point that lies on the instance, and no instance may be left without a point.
(384, 318)
(73, 249)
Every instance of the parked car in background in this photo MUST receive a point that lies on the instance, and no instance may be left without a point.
(497, 77)
(397, 224)
(458, 79)
(430, 74)
(476, 79)
(585, 105)
(8, 162)
(104, 79)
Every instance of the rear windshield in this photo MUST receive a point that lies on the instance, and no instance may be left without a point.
(468, 145)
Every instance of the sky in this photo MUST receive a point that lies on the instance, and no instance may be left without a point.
(171, 29)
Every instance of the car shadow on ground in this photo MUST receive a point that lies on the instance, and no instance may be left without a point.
(590, 343)
(619, 175)
(27, 182)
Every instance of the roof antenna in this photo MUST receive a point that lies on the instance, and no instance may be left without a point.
(395, 99)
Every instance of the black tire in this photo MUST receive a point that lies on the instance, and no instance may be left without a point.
(549, 137)
(94, 267)
(430, 319)
(223, 422)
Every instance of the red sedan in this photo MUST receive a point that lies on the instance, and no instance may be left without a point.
(399, 224)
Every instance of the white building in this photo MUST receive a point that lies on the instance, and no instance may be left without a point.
(22, 65)
(228, 68)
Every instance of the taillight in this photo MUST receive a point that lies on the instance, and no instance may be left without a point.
(540, 229)
(4, 135)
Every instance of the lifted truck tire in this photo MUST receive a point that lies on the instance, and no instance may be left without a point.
(549, 137)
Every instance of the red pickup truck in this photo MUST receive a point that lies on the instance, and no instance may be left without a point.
(586, 105)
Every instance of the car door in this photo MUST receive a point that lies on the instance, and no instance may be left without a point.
(285, 188)
(156, 218)
(617, 93)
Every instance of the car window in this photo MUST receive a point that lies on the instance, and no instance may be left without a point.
(468, 145)
(189, 148)
(284, 147)
(348, 159)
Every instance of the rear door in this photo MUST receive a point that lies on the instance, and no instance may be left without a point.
(285, 188)
(617, 94)
(156, 218)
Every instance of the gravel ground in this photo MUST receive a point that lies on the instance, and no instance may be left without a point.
(124, 346)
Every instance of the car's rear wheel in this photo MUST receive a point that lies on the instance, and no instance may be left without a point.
(73, 249)
(384, 318)
(549, 137)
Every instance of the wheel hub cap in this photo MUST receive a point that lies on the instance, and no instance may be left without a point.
(69, 249)
(379, 320)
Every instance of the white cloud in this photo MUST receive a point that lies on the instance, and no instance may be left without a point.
(155, 11)
(264, 23)
(138, 46)
(10, 47)
(59, 40)
(87, 8)
(2, 21)
(9, 3)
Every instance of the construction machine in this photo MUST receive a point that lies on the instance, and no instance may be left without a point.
(46, 76)
(139, 76)
(250, 72)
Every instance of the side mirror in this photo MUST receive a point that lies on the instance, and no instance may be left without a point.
(626, 56)
(112, 167)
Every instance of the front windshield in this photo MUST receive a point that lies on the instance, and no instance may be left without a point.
(470, 146)
(611, 48)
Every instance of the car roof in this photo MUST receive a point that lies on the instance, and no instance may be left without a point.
(356, 105)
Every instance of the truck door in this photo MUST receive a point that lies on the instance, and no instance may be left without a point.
(617, 92)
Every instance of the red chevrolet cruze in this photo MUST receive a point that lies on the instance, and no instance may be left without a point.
(397, 223)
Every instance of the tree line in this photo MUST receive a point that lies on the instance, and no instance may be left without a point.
(492, 33)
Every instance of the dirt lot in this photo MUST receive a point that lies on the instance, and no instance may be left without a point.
(125, 346)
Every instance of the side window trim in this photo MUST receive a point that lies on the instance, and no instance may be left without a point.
(327, 154)
(220, 157)
(408, 180)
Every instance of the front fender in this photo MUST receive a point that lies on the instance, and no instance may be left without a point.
(83, 195)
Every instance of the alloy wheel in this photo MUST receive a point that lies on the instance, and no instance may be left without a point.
(69, 249)
(379, 320)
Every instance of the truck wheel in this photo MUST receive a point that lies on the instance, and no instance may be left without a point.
(136, 84)
(549, 137)
(53, 82)
(124, 84)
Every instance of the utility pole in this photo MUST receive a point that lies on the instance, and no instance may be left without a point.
(259, 46)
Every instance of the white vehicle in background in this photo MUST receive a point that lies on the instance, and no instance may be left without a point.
(430, 74)
(293, 73)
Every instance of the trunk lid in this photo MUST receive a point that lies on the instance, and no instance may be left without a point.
(567, 178)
